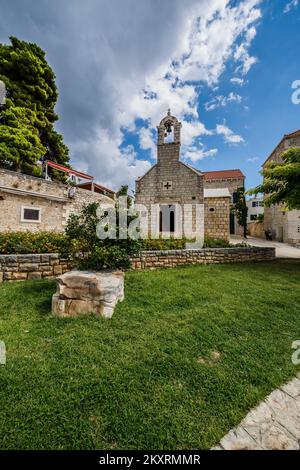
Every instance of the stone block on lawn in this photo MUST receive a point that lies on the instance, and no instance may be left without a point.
(87, 292)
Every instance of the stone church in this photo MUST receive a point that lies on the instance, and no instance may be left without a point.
(175, 199)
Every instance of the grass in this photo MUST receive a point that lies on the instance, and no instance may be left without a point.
(184, 358)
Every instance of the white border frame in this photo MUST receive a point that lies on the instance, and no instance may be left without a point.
(31, 208)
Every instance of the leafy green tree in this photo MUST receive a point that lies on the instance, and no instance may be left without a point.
(27, 117)
(123, 192)
(241, 209)
(281, 184)
(87, 251)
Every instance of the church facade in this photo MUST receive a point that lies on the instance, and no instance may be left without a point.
(175, 199)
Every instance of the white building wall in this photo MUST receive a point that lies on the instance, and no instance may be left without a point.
(254, 211)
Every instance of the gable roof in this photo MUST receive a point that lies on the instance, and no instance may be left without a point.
(292, 134)
(139, 178)
(191, 168)
(208, 175)
(223, 174)
(286, 136)
(97, 188)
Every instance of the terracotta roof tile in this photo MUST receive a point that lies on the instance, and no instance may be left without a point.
(286, 136)
(221, 174)
(292, 134)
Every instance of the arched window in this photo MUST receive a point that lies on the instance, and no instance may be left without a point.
(169, 132)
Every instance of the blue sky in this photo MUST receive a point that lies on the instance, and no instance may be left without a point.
(225, 68)
(266, 93)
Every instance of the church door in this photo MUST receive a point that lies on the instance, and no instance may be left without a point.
(167, 219)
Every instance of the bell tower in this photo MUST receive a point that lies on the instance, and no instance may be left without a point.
(168, 141)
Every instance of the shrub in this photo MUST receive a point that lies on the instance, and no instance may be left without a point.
(30, 242)
(163, 244)
(260, 218)
(180, 244)
(87, 251)
(216, 243)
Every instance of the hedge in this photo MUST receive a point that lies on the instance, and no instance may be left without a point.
(31, 242)
(180, 244)
(53, 242)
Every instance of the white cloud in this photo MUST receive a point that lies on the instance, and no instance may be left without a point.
(114, 67)
(237, 81)
(194, 153)
(116, 165)
(252, 159)
(242, 52)
(229, 136)
(222, 101)
(290, 5)
(203, 42)
(209, 40)
(147, 141)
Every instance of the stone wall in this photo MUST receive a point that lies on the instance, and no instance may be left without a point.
(172, 258)
(232, 184)
(26, 267)
(285, 225)
(169, 182)
(18, 190)
(256, 229)
(216, 216)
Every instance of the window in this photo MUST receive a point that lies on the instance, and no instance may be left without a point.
(30, 214)
(298, 229)
(253, 217)
(234, 198)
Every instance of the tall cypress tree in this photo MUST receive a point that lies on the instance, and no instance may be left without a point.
(27, 118)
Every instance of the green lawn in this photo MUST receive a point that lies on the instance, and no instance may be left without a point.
(148, 378)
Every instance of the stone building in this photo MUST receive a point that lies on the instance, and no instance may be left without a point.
(30, 203)
(233, 180)
(174, 198)
(285, 225)
(255, 208)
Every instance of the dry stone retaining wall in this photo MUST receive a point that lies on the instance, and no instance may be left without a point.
(38, 266)
(172, 258)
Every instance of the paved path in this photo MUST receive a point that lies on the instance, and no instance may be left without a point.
(283, 250)
(273, 425)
